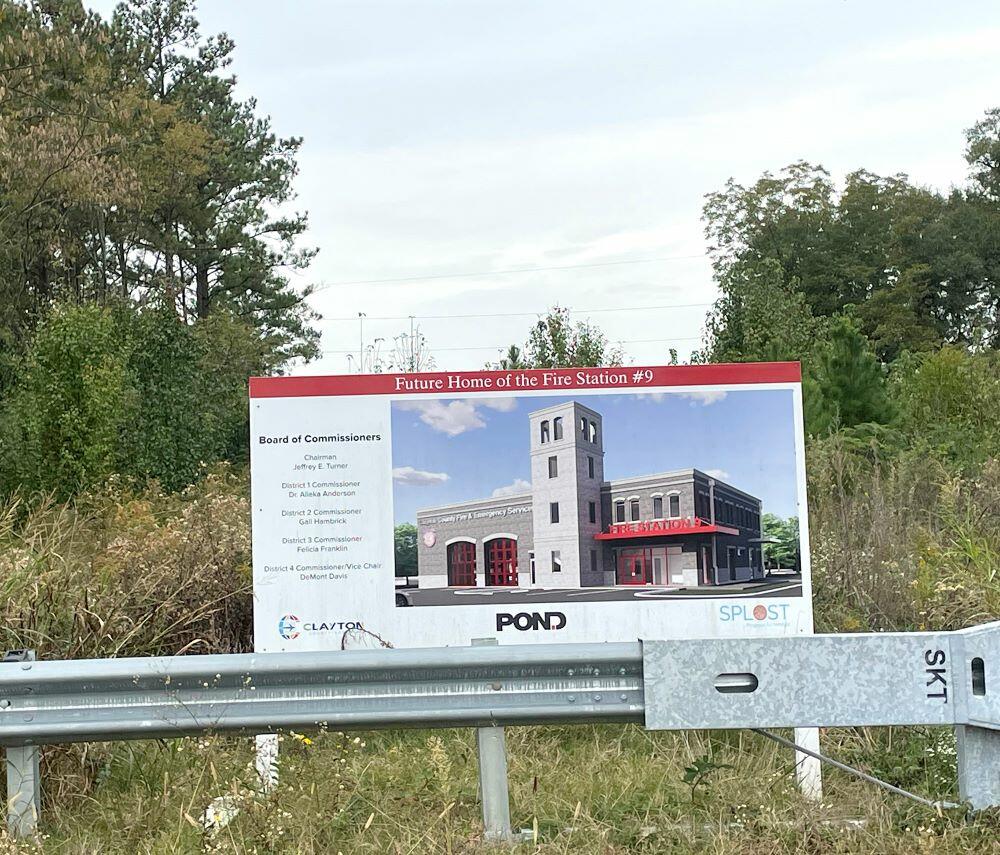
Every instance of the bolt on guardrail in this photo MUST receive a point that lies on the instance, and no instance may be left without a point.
(875, 679)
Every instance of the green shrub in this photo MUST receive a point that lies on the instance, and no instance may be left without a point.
(112, 390)
(949, 406)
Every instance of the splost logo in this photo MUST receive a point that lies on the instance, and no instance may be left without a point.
(531, 620)
(744, 613)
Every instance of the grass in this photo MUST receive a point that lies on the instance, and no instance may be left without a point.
(593, 789)
(125, 572)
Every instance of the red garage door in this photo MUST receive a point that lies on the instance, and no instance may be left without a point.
(501, 561)
(462, 564)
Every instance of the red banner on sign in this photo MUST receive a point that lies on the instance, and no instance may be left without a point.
(540, 379)
(654, 528)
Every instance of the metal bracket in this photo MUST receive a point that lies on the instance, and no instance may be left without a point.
(872, 679)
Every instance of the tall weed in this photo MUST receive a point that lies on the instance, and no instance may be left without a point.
(125, 573)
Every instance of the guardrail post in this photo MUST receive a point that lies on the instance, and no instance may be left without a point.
(491, 746)
(978, 766)
(24, 792)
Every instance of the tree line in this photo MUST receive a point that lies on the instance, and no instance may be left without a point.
(144, 257)
(145, 247)
(888, 292)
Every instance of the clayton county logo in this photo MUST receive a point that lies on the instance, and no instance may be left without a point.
(288, 627)
(430, 537)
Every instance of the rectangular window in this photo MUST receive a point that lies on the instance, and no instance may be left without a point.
(657, 507)
(620, 512)
(675, 506)
(592, 511)
(556, 561)
(593, 560)
(634, 510)
(553, 466)
(553, 512)
(590, 467)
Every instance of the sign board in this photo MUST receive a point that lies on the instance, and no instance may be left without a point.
(597, 504)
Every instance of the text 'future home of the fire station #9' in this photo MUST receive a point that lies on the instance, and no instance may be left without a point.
(597, 504)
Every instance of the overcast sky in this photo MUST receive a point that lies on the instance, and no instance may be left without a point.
(472, 137)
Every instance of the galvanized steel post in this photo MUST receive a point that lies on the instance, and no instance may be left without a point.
(24, 791)
(978, 766)
(494, 793)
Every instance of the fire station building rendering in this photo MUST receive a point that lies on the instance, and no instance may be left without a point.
(574, 529)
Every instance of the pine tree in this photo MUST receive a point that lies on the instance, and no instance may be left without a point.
(846, 384)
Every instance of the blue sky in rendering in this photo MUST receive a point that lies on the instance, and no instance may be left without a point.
(460, 449)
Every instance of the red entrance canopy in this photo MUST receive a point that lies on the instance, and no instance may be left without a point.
(663, 528)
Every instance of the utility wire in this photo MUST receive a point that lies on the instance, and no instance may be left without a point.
(521, 314)
(885, 785)
(504, 272)
(503, 347)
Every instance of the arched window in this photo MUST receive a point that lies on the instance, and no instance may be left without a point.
(557, 428)
(461, 564)
(501, 561)
(583, 427)
(593, 432)
(619, 510)
(634, 510)
(545, 431)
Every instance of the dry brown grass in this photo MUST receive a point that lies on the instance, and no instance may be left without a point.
(144, 573)
(121, 573)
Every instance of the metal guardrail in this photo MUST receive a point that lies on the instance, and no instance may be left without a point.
(866, 679)
(90, 700)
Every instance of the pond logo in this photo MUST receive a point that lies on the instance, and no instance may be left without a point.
(288, 627)
(531, 620)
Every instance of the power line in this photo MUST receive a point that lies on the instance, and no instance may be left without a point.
(505, 346)
(506, 272)
(522, 314)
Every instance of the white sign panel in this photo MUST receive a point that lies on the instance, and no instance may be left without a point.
(546, 505)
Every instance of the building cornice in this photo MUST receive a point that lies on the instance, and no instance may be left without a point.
(516, 499)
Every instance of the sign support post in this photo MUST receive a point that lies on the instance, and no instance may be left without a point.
(491, 748)
(808, 770)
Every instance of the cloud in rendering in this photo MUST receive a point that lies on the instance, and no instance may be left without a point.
(417, 477)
